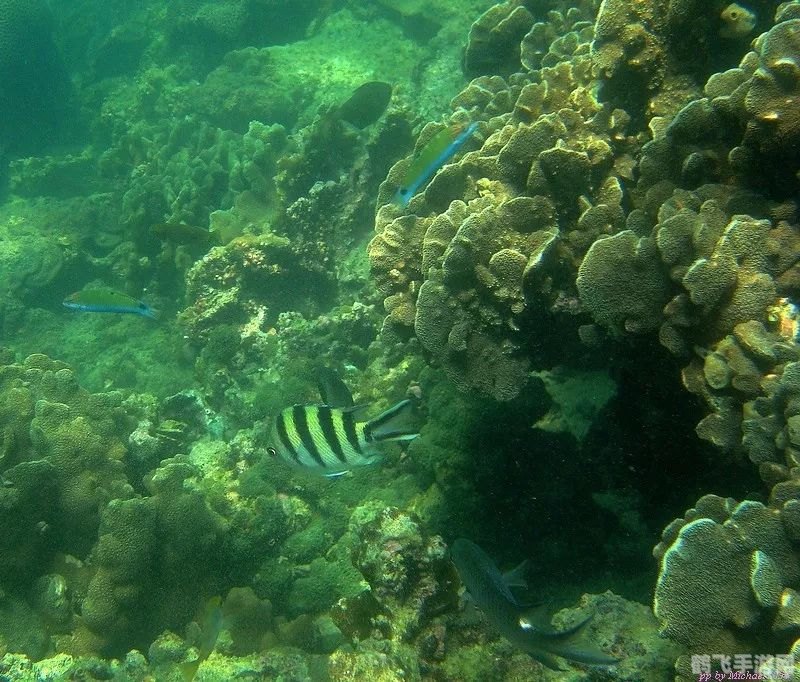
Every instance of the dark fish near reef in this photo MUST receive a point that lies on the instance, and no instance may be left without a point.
(491, 593)
(366, 105)
(210, 622)
(330, 438)
(438, 151)
(182, 233)
(108, 301)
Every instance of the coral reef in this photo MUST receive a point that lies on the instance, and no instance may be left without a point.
(62, 461)
(479, 258)
(625, 208)
(725, 567)
(715, 258)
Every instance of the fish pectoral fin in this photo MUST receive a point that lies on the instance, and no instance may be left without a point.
(568, 632)
(537, 617)
(358, 411)
(516, 576)
(337, 474)
(547, 660)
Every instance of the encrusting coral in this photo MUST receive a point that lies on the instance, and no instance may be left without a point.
(725, 252)
(604, 194)
(695, 244)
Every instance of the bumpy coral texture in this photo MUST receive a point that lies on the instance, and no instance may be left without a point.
(725, 567)
(715, 198)
(62, 460)
(153, 557)
(481, 254)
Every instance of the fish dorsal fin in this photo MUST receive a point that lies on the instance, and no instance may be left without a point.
(332, 389)
(359, 412)
(516, 576)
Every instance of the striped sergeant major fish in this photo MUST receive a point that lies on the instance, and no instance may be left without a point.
(330, 438)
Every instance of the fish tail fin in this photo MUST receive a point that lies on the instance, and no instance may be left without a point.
(397, 423)
(567, 644)
(189, 670)
(153, 314)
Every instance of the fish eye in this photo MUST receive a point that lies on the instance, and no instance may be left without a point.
(272, 452)
(403, 191)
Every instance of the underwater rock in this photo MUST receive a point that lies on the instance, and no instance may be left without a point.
(579, 398)
(410, 575)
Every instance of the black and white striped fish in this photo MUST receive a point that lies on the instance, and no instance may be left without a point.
(331, 439)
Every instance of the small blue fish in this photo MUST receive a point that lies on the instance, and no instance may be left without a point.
(108, 301)
(431, 158)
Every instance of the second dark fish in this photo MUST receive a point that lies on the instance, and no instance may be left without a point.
(491, 593)
(366, 105)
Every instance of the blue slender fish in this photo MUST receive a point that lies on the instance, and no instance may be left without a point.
(108, 301)
(438, 151)
(330, 438)
(492, 594)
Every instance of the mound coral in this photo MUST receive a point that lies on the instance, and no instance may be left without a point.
(62, 459)
(712, 197)
(727, 567)
(153, 557)
(482, 254)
